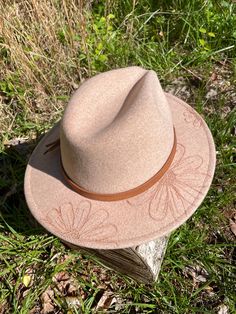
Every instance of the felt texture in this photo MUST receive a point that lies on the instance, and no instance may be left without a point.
(116, 124)
(155, 212)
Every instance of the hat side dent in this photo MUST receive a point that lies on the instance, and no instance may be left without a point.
(129, 139)
(97, 101)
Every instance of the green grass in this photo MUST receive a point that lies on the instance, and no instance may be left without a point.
(191, 40)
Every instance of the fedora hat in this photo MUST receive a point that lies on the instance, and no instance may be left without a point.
(126, 164)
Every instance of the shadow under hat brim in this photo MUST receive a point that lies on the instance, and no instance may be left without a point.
(126, 223)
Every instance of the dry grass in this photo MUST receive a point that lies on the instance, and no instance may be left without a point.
(41, 53)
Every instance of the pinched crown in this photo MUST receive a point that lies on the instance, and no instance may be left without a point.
(117, 131)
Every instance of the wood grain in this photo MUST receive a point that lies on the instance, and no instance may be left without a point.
(142, 263)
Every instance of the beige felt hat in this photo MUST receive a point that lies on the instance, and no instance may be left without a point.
(126, 164)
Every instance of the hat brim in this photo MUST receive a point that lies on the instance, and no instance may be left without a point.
(126, 223)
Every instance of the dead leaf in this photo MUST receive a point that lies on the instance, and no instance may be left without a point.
(65, 284)
(68, 286)
(223, 309)
(232, 225)
(212, 93)
(229, 213)
(71, 289)
(119, 304)
(35, 310)
(20, 292)
(213, 76)
(4, 308)
(47, 299)
(61, 276)
(73, 302)
(26, 280)
(105, 301)
(63, 258)
(210, 291)
(199, 274)
(15, 141)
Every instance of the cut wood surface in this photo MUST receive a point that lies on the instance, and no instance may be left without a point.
(142, 263)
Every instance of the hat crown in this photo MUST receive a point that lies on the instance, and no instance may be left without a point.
(116, 131)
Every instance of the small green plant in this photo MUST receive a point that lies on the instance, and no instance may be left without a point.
(10, 89)
(100, 42)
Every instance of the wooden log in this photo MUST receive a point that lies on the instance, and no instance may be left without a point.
(142, 263)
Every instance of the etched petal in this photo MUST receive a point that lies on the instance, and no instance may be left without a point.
(197, 123)
(68, 216)
(82, 213)
(142, 198)
(189, 165)
(187, 192)
(193, 179)
(54, 218)
(188, 116)
(101, 233)
(97, 219)
(178, 204)
(93, 227)
(180, 151)
(158, 206)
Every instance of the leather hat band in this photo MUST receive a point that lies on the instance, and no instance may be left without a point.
(127, 194)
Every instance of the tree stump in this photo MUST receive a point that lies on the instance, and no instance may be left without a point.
(142, 263)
